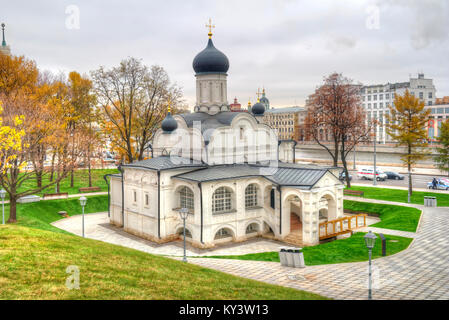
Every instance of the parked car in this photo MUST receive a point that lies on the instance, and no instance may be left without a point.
(342, 176)
(442, 184)
(394, 175)
(368, 174)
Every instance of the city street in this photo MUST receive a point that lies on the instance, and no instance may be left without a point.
(419, 180)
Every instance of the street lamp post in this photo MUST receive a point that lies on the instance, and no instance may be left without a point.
(83, 201)
(2, 195)
(370, 241)
(375, 142)
(183, 214)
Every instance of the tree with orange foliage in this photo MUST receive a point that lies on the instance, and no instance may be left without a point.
(335, 108)
(43, 121)
(407, 125)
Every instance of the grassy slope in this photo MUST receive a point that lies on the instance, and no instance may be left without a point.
(80, 180)
(392, 217)
(346, 250)
(401, 195)
(33, 265)
(40, 214)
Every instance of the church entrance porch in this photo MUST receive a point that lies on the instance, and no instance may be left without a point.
(295, 235)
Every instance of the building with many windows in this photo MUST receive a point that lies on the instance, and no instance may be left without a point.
(377, 98)
(438, 114)
(285, 121)
(231, 172)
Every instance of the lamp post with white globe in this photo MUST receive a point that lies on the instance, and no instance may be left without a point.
(183, 213)
(83, 201)
(370, 241)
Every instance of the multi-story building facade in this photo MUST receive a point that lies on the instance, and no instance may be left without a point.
(438, 114)
(377, 98)
(285, 121)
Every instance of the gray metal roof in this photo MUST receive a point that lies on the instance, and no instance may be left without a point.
(209, 122)
(304, 177)
(166, 162)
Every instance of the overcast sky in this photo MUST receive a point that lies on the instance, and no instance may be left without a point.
(288, 46)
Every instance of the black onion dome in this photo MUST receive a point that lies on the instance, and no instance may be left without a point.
(169, 124)
(210, 60)
(258, 109)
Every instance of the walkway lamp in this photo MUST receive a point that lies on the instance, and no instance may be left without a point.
(183, 213)
(370, 241)
(83, 201)
(2, 195)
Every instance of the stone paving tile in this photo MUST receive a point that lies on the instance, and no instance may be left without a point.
(420, 272)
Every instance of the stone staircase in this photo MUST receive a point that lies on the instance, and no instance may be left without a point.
(295, 236)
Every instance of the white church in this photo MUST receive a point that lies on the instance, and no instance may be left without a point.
(229, 170)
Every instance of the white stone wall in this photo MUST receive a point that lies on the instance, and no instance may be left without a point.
(142, 219)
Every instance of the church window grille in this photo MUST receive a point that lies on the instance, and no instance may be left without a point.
(251, 196)
(186, 198)
(221, 200)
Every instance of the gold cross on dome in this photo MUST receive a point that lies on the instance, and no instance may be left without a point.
(258, 94)
(210, 26)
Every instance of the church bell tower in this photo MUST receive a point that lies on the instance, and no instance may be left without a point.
(211, 67)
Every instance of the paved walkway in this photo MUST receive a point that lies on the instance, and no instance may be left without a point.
(97, 227)
(420, 272)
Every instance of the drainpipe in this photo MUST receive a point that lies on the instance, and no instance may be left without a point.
(120, 168)
(105, 177)
(201, 210)
(280, 210)
(159, 204)
(294, 151)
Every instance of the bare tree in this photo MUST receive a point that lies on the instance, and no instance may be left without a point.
(133, 99)
(335, 110)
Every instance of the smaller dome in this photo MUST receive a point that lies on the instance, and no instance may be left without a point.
(169, 124)
(258, 109)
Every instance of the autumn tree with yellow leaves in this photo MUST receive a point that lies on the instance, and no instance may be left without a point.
(406, 124)
(35, 114)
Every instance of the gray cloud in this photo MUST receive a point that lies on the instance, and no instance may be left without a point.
(287, 46)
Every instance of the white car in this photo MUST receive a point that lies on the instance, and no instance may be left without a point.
(368, 174)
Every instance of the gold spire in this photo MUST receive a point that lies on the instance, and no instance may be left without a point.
(169, 106)
(210, 26)
(249, 102)
(258, 94)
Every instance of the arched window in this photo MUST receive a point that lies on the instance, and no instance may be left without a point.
(251, 196)
(186, 199)
(188, 233)
(253, 227)
(223, 233)
(221, 200)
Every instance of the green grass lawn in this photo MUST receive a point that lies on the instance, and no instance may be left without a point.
(352, 249)
(41, 214)
(33, 265)
(81, 180)
(392, 217)
(397, 195)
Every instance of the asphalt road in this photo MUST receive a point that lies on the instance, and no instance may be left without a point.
(419, 181)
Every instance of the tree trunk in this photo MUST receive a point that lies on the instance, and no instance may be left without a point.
(89, 169)
(39, 179)
(52, 166)
(410, 188)
(12, 208)
(336, 152)
(72, 180)
(345, 166)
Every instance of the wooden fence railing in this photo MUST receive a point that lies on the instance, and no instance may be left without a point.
(333, 228)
